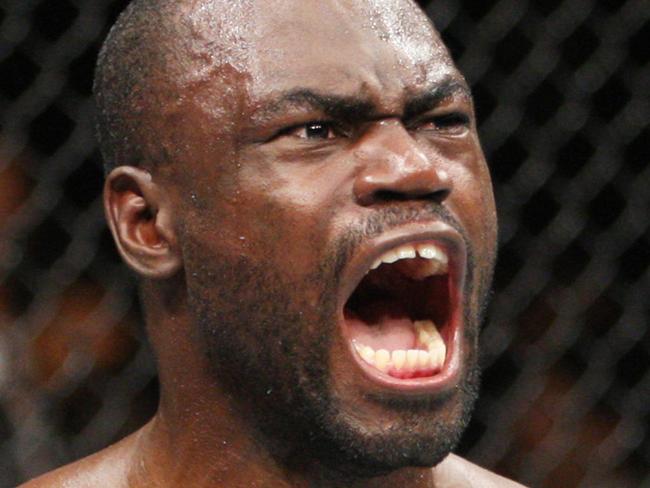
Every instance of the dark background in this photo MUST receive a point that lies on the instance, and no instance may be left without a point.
(562, 94)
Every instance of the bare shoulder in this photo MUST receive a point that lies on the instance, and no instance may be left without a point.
(456, 472)
(107, 468)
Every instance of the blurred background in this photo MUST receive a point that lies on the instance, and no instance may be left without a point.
(562, 91)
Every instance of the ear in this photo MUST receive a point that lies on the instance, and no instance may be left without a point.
(141, 222)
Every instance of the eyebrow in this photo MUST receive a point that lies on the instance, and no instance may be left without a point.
(358, 108)
(433, 97)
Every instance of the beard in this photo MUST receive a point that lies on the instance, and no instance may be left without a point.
(269, 340)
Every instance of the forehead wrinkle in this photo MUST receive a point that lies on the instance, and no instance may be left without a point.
(218, 39)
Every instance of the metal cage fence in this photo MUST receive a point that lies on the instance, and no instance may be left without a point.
(562, 92)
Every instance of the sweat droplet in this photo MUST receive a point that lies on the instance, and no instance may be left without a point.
(242, 238)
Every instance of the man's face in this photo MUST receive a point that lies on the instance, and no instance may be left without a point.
(331, 138)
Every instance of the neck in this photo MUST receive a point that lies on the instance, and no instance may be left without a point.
(204, 458)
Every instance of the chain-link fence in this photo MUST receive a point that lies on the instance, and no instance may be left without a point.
(562, 90)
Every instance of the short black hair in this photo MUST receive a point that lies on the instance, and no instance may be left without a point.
(126, 69)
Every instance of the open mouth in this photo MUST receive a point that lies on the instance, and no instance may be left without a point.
(400, 318)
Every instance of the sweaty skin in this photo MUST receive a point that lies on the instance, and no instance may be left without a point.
(284, 146)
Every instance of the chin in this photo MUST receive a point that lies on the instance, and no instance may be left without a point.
(411, 432)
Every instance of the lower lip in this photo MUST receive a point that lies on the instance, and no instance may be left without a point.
(445, 379)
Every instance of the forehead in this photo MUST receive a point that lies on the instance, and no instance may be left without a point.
(376, 45)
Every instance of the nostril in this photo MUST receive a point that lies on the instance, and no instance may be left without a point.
(390, 195)
(401, 186)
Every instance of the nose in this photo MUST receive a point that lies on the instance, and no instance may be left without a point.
(394, 167)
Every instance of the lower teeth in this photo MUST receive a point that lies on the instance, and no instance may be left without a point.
(428, 357)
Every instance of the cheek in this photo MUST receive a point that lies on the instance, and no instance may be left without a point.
(488, 228)
(290, 211)
(472, 198)
(478, 201)
(270, 230)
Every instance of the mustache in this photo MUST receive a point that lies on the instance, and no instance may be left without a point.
(388, 218)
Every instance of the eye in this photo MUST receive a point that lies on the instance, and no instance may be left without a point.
(317, 130)
(452, 123)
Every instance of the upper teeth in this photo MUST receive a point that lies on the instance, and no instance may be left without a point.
(437, 258)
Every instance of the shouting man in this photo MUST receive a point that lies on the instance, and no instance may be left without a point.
(300, 188)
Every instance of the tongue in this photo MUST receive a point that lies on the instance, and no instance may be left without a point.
(383, 325)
